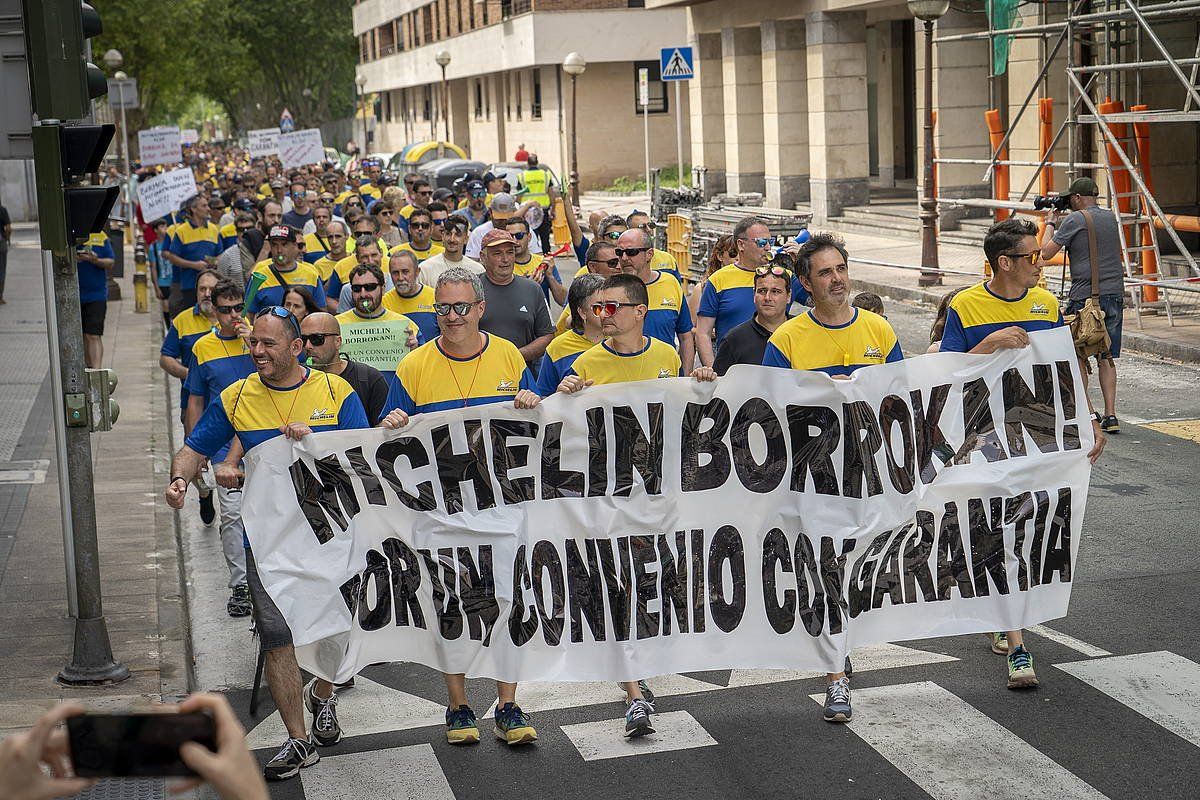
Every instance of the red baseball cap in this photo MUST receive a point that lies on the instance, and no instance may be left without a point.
(498, 236)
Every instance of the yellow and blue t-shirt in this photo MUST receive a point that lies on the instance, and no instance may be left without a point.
(325, 266)
(804, 343)
(977, 312)
(229, 235)
(186, 329)
(270, 292)
(728, 295)
(557, 360)
(667, 312)
(429, 379)
(433, 249)
(601, 364)
(93, 280)
(193, 244)
(418, 308)
(217, 362)
(665, 262)
(315, 247)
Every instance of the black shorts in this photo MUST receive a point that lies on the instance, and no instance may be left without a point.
(92, 315)
(273, 630)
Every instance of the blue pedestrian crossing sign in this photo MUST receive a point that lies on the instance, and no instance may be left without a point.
(675, 64)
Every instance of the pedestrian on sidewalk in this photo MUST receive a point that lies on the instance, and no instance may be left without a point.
(94, 262)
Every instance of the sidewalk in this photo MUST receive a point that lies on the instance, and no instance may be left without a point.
(139, 554)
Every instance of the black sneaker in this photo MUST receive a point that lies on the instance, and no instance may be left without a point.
(325, 728)
(208, 511)
(239, 601)
(637, 719)
(1110, 424)
(291, 758)
(837, 701)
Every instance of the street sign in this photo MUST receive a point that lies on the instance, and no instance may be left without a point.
(643, 87)
(676, 64)
(286, 123)
(123, 94)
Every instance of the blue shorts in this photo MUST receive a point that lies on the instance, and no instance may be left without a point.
(1114, 315)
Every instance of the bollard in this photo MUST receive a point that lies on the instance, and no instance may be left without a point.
(141, 285)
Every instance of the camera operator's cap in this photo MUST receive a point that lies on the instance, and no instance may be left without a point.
(1083, 186)
(503, 206)
(498, 236)
(283, 233)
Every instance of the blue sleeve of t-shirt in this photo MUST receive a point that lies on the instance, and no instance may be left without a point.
(799, 293)
(196, 381)
(212, 432)
(774, 357)
(895, 354)
(527, 381)
(171, 345)
(954, 337)
(708, 301)
(683, 321)
(398, 397)
(333, 286)
(352, 414)
(581, 251)
(547, 379)
(319, 293)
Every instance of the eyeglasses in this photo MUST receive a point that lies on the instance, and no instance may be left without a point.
(426, 191)
(614, 235)
(439, 223)
(384, 211)
(282, 313)
(778, 272)
(1032, 255)
(462, 309)
(759, 240)
(420, 225)
(237, 309)
(648, 225)
(518, 235)
(611, 263)
(356, 288)
(610, 308)
(630, 251)
(316, 339)
(478, 195)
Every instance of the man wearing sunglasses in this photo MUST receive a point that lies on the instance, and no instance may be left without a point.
(438, 212)
(420, 196)
(747, 342)
(282, 398)
(668, 319)
(220, 358)
(323, 343)
(727, 297)
(599, 259)
(999, 314)
(366, 252)
(475, 212)
(535, 266)
(301, 211)
(660, 260)
(383, 352)
(420, 236)
(465, 367)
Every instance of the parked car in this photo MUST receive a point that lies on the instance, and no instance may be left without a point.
(443, 172)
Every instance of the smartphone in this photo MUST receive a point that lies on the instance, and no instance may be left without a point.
(136, 745)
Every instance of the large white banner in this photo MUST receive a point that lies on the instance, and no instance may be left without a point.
(163, 194)
(160, 146)
(301, 148)
(264, 142)
(772, 519)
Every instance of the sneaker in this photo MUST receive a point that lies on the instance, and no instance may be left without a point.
(848, 668)
(239, 601)
(1000, 644)
(461, 727)
(1110, 424)
(1020, 669)
(291, 758)
(637, 719)
(208, 510)
(837, 701)
(512, 725)
(325, 728)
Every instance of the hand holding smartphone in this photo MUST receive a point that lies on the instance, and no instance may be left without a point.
(136, 745)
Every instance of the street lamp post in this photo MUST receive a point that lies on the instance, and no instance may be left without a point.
(574, 65)
(361, 81)
(443, 61)
(929, 11)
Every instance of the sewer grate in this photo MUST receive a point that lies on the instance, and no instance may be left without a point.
(126, 789)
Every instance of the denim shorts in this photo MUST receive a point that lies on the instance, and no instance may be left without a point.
(1114, 315)
(273, 630)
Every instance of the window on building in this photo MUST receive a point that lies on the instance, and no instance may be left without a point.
(487, 98)
(637, 3)
(658, 89)
(471, 14)
(505, 84)
(517, 81)
(478, 99)
(427, 102)
(427, 24)
(535, 109)
(386, 35)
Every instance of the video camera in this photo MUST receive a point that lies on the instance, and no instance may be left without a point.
(1059, 202)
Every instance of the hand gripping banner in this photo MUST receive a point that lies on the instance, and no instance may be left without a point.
(772, 519)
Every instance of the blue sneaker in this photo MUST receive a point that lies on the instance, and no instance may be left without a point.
(837, 701)
(461, 727)
(513, 725)
(1020, 669)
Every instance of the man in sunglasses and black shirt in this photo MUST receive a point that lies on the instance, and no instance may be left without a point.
(322, 335)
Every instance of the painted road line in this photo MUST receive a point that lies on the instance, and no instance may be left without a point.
(866, 659)
(1078, 645)
(1182, 428)
(675, 730)
(1163, 687)
(366, 708)
(952, 750)
(396, 773)
(552, 695)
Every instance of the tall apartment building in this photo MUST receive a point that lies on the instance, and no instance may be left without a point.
(506, 85)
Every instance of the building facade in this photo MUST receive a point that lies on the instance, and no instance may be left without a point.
(505, 85)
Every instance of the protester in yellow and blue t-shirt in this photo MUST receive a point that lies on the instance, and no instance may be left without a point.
(264, 287)
(583, 334)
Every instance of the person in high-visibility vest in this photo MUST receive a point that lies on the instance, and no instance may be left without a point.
(534, 184)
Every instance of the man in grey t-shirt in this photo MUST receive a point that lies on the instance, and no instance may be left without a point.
(516, 308)
(1071, 232)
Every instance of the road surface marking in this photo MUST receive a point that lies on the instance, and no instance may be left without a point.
(1078, 645)
(952, 750)
(1162, 687)
(397, 773)
(675, 730)
(1181, 428)
(550, 695)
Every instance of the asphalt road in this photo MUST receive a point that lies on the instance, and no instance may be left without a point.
(1117, 714)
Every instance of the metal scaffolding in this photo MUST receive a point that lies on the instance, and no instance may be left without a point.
(1108, 47)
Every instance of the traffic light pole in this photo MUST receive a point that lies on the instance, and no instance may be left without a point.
(91, 658)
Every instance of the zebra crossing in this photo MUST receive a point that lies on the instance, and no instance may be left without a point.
(925, 726)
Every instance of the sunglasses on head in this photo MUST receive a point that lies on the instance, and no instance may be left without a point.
(316, 339)
(778, 272)
(462, 309)
(355, 288)
(235, 309)
(612, 263)
(630, 251)
(610, 308)
(281, 313)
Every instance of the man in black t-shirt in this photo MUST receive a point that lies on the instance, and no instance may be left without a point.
(746, 343)
(322, 337)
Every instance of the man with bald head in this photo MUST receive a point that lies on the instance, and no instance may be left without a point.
(668, 319)
(322, 335)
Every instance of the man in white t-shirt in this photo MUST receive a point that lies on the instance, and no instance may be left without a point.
(455, 231)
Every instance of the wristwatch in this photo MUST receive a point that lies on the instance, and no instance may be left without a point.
(1097, 416)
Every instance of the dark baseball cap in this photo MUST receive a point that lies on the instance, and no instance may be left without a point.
(475, 186)
(1083, 186)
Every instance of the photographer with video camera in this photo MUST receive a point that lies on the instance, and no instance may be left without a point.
(1091, 232)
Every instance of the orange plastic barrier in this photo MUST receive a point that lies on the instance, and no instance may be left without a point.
(1120, 174)
(1000, 173)
(1149, 260)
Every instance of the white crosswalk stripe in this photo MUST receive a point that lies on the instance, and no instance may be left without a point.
(396, 773)
(675, 730)
(952, 750)
(865, 659)
(1163, 687)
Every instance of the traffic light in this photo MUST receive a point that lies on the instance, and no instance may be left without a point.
(103, 408)
(78, 151)
(62, 80)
